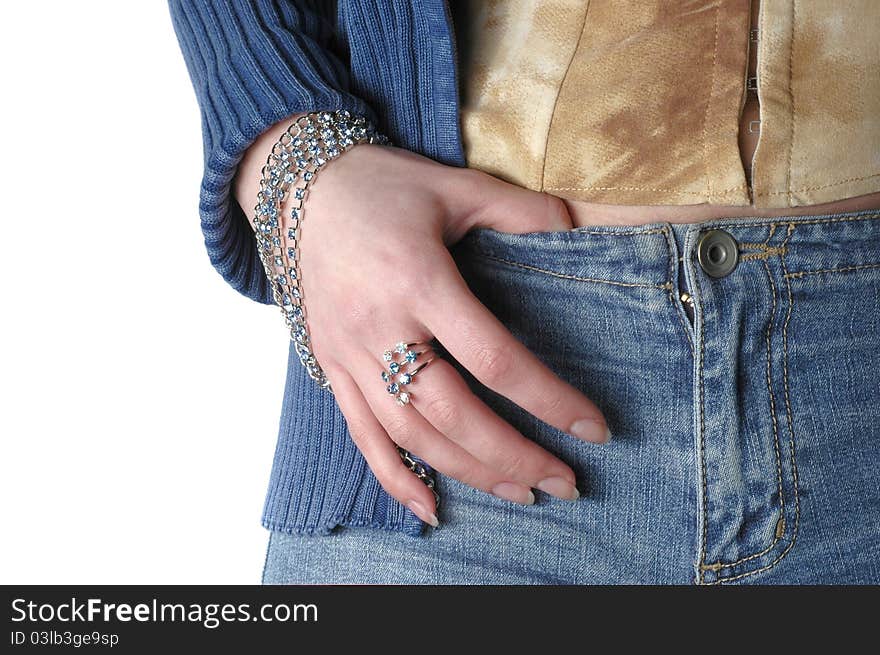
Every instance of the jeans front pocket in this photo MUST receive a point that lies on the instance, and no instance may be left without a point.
(619, 255)
(593, 305)
(539, 249)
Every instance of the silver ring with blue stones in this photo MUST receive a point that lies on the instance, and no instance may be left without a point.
(398, 375)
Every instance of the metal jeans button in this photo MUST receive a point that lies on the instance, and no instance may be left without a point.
(718, 253)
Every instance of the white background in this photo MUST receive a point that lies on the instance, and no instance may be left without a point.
(139, 393)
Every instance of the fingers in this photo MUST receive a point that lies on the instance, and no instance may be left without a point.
(446, 402)
(410, 430)
(483, 345)
(378, 449)
(494, 203)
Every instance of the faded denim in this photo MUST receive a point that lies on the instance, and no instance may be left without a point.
(746, 439)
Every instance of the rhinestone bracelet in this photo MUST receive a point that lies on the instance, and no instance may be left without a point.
(303, 149)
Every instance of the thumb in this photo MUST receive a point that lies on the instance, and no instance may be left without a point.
(507, 207)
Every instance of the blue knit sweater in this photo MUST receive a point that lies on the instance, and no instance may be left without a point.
(253, 63)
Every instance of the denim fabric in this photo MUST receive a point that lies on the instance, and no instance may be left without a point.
(746, 439)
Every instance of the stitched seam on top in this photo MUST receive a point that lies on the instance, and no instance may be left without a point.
(588, 230)
(709, 106)
(844, 269)
(577, 278)
(718, 192)
(618, 234)
(716, 566)
(818, 221)
(559, 93)
(821, 186)
(791, 443)
(761, 255)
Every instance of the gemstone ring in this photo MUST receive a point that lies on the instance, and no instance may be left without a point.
(397, 374)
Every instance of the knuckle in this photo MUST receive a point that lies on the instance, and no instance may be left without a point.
(391, 482)
(358, 430)
(444, 412)
(401, 432)
(474, 177)
(513, 465)
(551, 405)
(360, 313)
(492, 363)
(334, 372)
(556, 209)
(412, 285)
(387, 475)
(472, 473)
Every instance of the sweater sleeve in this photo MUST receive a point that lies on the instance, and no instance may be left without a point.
(253, 63)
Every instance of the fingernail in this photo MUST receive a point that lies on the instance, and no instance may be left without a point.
(422, 512)
(560, 488)
(515, 493)
(590, 430)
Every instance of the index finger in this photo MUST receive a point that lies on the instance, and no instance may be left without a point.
(483, 345)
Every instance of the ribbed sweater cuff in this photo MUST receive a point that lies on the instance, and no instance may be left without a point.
(252, 64)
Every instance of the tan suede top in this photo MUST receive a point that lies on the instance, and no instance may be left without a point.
(638, 101)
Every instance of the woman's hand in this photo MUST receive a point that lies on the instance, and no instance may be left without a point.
(375, 266)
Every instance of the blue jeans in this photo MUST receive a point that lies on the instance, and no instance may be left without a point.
(746, 426)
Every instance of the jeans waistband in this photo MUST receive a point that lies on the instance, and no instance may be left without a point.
(646, 255)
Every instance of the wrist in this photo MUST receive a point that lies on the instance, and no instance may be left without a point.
(292, 162)
(246, 183)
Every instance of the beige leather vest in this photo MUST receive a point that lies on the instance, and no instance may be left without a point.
(638, 101)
